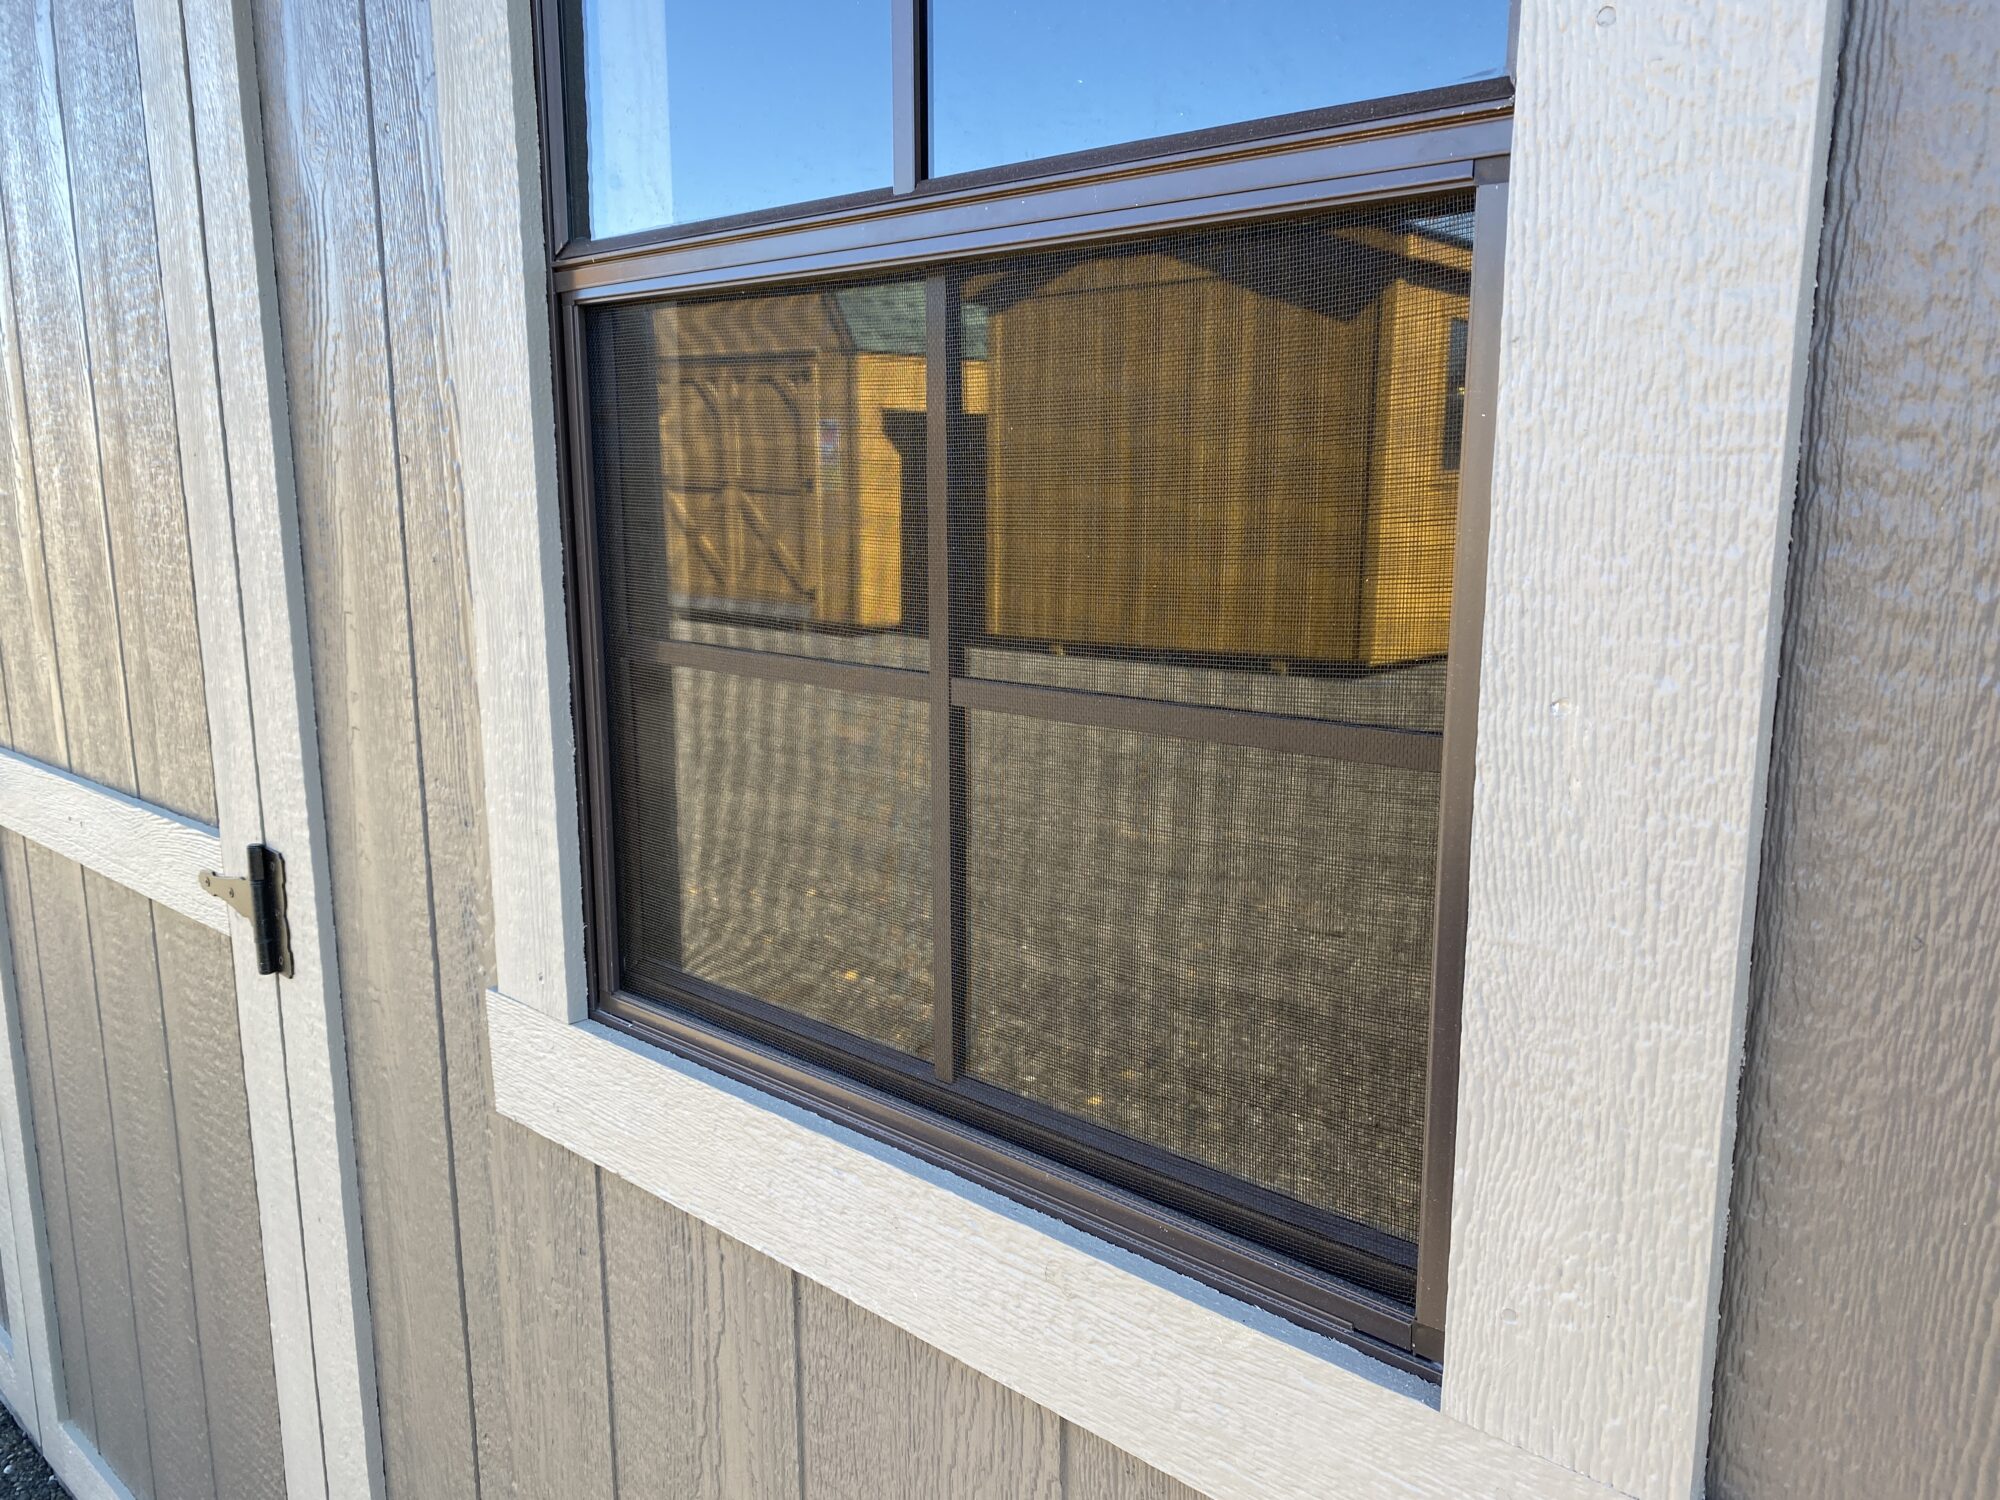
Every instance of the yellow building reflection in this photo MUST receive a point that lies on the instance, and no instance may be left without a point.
(1237, 444)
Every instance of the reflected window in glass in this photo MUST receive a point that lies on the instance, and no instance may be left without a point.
(695, 111)
(1036, 78)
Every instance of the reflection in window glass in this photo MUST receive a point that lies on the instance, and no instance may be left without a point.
(1210, 466)
(1224, 952)
(778, 845)
(1033, 78)
(695, 110)
(761, 465)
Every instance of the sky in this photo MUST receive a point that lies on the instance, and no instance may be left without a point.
(699, 109)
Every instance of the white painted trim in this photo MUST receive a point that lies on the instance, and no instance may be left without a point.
(150, 849)
(1233, 1401)
(498, 344)
(200, 91)
(1667, 176)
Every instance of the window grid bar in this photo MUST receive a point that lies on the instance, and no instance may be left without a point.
(908, 60)
(782, 666)
(1285, 734)
(1289, 734)
(943, 393)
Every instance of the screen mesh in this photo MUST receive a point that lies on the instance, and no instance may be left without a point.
(1206, 469)
(778, 845)
(1219, 950)
(1215, 464)
(759, 467)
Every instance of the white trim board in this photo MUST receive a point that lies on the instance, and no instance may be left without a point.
(154, 851)
(1666, 175)
(1233, 1401)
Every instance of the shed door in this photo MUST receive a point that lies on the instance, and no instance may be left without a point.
(185, 1311)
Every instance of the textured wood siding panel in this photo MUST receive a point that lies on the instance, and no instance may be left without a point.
(319, 151)
(1094, 1470)
(890, 1418)
(100, 1338)
(704, 1357)
(1860, 1350)
(218, 1186)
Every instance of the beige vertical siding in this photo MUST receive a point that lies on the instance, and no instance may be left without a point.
(1860, 1352)
(541, 1330)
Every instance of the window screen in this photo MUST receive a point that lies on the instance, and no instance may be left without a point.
(1023, 680)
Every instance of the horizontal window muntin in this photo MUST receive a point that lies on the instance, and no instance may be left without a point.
(1228, 1223)
(1269, 166)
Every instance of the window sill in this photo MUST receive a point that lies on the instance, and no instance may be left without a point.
(1219, 1394)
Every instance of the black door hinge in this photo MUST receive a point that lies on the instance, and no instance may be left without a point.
(260, 895)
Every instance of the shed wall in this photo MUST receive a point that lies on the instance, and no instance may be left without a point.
(1860, 1351)
(127, 1011)
(541, 1329)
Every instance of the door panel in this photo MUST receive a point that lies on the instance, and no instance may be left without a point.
(143, 1152)
(183, 1272)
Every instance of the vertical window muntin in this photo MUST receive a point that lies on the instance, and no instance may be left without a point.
(1337, 1275)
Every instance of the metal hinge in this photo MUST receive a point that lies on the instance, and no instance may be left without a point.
(260, 896)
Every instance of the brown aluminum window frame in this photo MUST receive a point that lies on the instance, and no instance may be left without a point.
(1309, 1267)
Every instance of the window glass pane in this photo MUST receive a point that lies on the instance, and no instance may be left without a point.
(1016, 81)
(1212, 468)
(1222, 951)
(774, 839)
(694, 110)
(1220, 467)
(759, 463)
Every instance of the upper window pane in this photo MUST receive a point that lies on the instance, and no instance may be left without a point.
(1211, 466)
(1013, 82)
(694, 110)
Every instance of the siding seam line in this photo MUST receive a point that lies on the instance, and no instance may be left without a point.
(604, 1300)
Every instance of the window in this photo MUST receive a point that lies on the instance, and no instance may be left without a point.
(1013, 677)
(699, 111)
(1038, 78)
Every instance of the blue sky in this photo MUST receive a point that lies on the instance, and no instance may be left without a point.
(766, 102)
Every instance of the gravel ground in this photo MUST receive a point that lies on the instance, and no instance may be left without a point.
(23, 1475)
(1220, 950)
